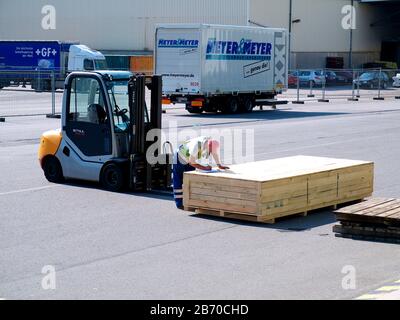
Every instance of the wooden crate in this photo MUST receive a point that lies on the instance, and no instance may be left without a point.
(267, 190)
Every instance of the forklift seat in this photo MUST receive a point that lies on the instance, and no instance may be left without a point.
(97, 114)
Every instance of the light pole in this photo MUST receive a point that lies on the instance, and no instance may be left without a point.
(291, 22)
(351, 36)
(290, 31)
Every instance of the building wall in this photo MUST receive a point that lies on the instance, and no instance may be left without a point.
(320, 33)
(128, 25)
(113, 25)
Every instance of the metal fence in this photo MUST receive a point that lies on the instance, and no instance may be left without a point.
(30, 92)
(39, 92)
(352, 84)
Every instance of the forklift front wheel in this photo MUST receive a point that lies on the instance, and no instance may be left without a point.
(112, 178)
(52, 170)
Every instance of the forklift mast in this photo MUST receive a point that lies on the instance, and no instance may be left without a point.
(143, 175)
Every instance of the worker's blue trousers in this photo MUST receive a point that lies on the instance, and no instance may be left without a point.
(178, 170)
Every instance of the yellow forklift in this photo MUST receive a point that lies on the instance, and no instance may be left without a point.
(105, 122)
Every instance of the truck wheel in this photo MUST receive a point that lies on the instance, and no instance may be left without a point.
(194, 110)
(112, 178)
(248, 105)
(52, 170)
(213, 105)
(232, 107)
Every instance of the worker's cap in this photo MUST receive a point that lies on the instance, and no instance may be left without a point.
(213, 145)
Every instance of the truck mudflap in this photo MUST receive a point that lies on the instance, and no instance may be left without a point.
(172, 99)
(196, 105)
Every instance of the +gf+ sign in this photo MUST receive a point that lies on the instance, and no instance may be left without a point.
(46, 52)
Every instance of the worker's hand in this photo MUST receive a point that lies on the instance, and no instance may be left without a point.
(200, 167)
(220, 166)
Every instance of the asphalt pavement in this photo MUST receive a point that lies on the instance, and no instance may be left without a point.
(106, 245)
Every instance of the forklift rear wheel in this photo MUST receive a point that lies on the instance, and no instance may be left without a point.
(52, 170)
(112, 178)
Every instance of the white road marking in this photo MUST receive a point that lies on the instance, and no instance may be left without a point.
(26, 190)
(391, 296)
(389, 292)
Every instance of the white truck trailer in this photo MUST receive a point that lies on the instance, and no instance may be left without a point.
(221, 68)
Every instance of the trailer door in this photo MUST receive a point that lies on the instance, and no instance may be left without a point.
(178, 60)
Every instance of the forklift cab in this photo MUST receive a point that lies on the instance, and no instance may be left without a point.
(105, 121)
(97, 113)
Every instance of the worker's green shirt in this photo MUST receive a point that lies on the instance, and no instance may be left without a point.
(195, 148)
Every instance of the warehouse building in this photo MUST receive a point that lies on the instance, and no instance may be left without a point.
(124, 29)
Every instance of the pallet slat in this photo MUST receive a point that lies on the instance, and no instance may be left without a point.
(363, 205)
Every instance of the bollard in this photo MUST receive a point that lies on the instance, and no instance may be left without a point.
(53, 114)
(311, 95)
(298, 101)
(39, 82)
(358, 85)
(353, 93)
(323, 93)
(379, 86)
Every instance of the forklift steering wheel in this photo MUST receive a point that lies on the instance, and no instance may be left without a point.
(122, 112)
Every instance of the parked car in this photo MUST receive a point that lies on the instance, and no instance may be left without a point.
(316, 78)
(292, 80)
(344, 77)
(396, 81)
(330, 77)
(370, 80)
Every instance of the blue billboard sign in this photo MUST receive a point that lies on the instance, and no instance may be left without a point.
(30, 55)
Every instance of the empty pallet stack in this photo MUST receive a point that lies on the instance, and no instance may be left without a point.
(266, 190)
(375, 219)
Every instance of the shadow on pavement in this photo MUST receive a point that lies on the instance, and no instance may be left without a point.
(293, 223)
(160, 195)
(279, 114)
(288, 224)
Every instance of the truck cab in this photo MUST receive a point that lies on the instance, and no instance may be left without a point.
(83, 58)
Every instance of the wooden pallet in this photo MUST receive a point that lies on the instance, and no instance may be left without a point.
(375, 211)
(267, 190)
(247, 217)
(230, 215)
(375, 219)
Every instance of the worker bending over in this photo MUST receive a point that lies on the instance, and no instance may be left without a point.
(189, 157)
